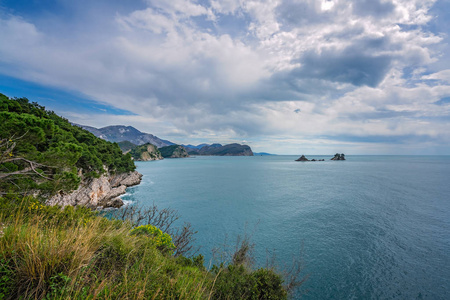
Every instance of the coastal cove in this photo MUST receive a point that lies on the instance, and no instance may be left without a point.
(368, 227)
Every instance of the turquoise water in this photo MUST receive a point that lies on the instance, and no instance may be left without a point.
(370, 227)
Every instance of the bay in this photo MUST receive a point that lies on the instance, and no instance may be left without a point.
(370, 227)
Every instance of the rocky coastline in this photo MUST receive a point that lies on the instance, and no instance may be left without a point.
(102, 192)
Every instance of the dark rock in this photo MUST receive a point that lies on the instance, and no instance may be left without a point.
(114, 203)
(338, 156)
(302, 158)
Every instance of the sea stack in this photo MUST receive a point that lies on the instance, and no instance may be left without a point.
(302, 158)
(338, 156)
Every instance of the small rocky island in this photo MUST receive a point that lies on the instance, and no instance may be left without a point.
(337, 156)
(303, 158)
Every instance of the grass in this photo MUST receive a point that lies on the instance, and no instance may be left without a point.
(53, 253)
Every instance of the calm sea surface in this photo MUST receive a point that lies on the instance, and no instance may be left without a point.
(370, 227)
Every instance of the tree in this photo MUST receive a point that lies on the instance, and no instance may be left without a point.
(12, 166)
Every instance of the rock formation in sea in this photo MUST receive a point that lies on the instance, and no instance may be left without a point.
(302, 158)
(98, 192)
(338, 156)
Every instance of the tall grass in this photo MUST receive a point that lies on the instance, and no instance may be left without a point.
(53, 253)
(46, 256)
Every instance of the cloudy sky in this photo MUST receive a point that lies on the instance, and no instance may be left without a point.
(283, 76)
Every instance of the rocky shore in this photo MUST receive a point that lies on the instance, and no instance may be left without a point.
(98, 192)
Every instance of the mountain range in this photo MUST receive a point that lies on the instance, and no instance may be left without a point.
(129, 137)
(120, 133)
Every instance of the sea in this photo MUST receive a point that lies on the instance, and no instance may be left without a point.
(369, 227)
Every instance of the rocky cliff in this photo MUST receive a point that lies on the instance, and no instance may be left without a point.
(98, 192)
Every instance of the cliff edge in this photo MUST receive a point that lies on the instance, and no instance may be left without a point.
(98, 192)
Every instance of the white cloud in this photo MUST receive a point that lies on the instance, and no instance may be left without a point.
(443, 75)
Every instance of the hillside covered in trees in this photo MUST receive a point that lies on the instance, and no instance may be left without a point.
(41, 151)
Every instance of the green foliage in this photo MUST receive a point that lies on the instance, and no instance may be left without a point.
(57, 147)
(6, 278)
(161, 240)
(197, 261)
(173, 151)
(145, 152)
(29, 207)
(58, 286)
(237, 282)
(126, 146)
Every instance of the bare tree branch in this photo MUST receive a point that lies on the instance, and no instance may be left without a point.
(6, 155)
(183, 237)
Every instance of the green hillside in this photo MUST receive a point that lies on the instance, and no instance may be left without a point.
(146, 152)
(43, 151)
(126, 146)
(173, 151)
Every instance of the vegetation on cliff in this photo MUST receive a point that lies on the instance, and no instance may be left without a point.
(146, 152)
(43, 151)
(126, 146)
(219, 150)
(173, 151)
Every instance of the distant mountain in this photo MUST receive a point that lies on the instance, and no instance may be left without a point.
(219, 150)
(120, 133)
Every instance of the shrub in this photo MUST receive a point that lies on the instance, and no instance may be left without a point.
(161, 240)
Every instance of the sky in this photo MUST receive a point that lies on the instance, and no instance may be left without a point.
(285, 77)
